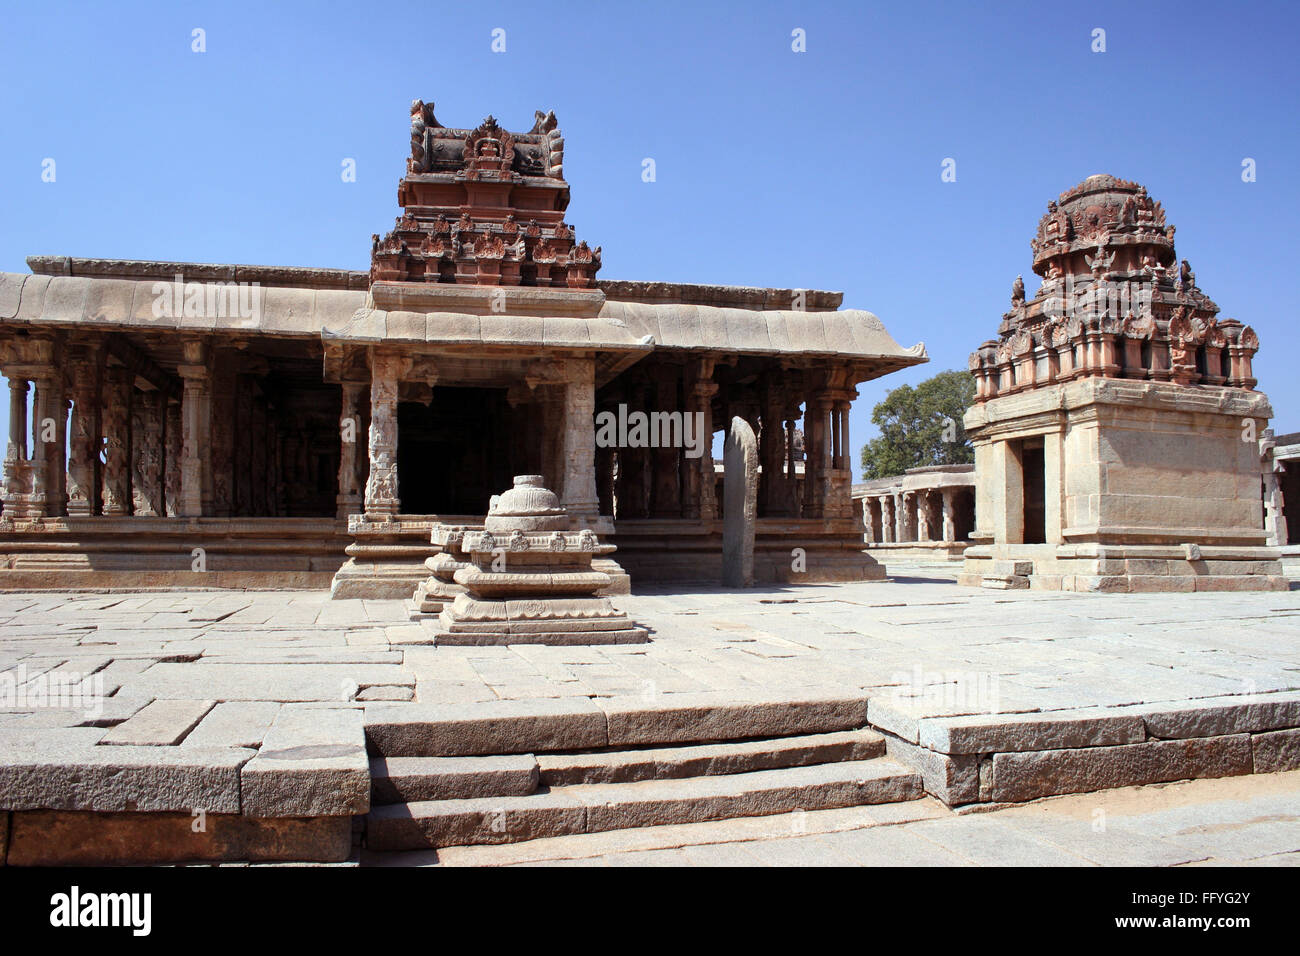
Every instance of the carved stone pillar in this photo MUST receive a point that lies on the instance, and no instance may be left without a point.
(85, 361)
(702, 392)
(665, 485)
(18, 468)
(195, 464)
(841, 502)
(242, 472)
(817, 447)
(147, 454)
(774, 498)
(350, 435)
(118, 386)
(886, 519)
(221, 431)
(381, 488)
(172, 458)
(923, 516)
(579, 456)
(260, 502)
(868, 524)
(45, 444)
(949, 516)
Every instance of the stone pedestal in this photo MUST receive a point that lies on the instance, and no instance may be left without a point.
(441, 589)
(530, 579)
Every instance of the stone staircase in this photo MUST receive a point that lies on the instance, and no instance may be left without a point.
(428, 792)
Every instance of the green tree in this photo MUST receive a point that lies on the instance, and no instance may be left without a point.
(921, 426)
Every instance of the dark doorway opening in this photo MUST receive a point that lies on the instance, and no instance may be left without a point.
(1290, 481)
(1035, 498)
(455, 453)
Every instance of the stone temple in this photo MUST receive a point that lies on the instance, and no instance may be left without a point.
(1116, 424)
(492, 444)
(261, 426)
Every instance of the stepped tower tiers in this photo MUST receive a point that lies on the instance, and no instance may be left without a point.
(484, 207)
(1116, 418)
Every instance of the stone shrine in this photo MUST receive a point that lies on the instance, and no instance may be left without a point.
(1116, 419)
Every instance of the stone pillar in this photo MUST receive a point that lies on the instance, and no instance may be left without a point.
(146, 454)
(923, 516)
(665, 497)
(579, 459)
(45, 450)
(773, 497)
(84, 363)
(242, 456)
(225, 381)
(350, 433)
(381, 488)
(886, 519)
(195, 463)
(841, 489)
(949, 516)
(118, 386)
(18, 469)
(261, 503)
(817, 447)
(702, 393)
(172, 428)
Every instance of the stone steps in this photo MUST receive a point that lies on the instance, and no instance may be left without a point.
(663, 763)
(592, 808)
(507, 771)
(411, 779)
(550, 725)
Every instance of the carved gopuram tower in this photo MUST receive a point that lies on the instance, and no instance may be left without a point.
(1116, 420)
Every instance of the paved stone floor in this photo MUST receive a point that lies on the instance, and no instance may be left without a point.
(949, 649)
(225, 665)
(1239, 821)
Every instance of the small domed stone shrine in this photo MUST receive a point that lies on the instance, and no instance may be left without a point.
(1116, 417)
(529, 579)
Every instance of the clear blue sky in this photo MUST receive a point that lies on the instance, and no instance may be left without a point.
(818, 169)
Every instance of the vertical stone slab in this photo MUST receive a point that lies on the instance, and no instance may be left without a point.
(740, 504)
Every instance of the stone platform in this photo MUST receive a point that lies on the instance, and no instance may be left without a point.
(265, 712)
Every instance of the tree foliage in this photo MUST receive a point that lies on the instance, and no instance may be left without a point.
(921, 426)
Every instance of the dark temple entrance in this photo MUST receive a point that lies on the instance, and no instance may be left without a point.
(456, 452)
(1035, 496)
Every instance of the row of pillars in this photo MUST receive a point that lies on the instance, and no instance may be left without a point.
(908, 516)
(666, 483)
(137, 443)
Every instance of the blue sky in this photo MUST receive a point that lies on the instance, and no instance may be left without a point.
(818, 169)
